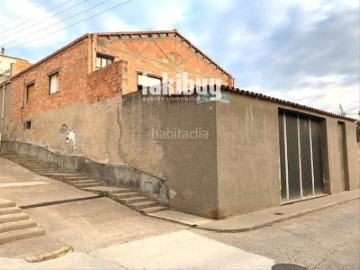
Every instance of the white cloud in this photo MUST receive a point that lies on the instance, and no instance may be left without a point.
(29, 28)
(299, 50)
(328, 96)
(113, 23)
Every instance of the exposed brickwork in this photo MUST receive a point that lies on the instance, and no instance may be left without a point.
(156, 55)
(80, 82)
(106, 82)
(73, 69)
(19, 66)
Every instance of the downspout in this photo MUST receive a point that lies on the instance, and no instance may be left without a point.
(2, 114)
(3, 103)
(92, 52)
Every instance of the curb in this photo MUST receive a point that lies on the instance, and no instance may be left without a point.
(49, 255)
(270, 223)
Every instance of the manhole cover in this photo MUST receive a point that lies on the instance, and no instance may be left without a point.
(288, 266)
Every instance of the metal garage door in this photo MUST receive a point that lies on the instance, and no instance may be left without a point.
(300, 156)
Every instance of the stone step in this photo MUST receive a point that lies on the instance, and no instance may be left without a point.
(43, 169)
(34, 164)
(10, 236)
(9, 210)
(17, 225)
(132, 200)
(32, 168)
(154, 209)
(143, 204)
(76, 178)
(63, 174)
(109, 190)
(86, 185)
(47, 172)
(120, 191)
(85, 181)
(124, 195)
(6, 203)
(13, 217)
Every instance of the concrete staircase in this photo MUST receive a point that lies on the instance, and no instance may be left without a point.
(15, 224)
(132, 199)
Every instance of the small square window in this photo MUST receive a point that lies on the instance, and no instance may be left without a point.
(30, 92)
(53, 83)
(27, 125)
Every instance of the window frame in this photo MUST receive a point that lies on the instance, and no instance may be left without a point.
(102, 57)
(53, 73)
(27, 86)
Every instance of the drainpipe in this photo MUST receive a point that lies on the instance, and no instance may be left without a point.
(92, 52)
(3, 103)
(2, 115)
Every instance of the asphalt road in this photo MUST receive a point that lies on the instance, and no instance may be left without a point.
(329, 239)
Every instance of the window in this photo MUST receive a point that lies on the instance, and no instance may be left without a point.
(145, 80)
(30, 92)
(53, 83)
(27, 125)
(103, 60)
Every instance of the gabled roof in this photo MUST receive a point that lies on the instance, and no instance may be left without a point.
(164, 33)
(142, 34)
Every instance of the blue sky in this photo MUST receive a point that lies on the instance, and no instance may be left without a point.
(306, 51)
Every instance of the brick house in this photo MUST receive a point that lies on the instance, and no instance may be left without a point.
(9, 66)
(245, 163)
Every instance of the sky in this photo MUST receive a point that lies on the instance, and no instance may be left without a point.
(305, 51)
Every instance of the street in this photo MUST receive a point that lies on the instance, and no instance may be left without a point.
(107, 235)
(322, 240)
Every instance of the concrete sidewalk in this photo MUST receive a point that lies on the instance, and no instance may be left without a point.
(177, 250)
(271, 216)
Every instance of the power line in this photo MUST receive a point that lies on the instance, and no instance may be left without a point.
(6, 71)
(37, 23)
(66, 19)
(88, 18)
(28, 20)
(22, 14)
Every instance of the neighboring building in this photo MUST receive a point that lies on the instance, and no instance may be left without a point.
(81, 108)
(9, 66)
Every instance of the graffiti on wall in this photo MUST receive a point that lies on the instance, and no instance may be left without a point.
(71, 136)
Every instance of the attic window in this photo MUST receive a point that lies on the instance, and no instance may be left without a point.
(103, 60)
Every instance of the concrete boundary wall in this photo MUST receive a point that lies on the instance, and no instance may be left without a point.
(111, 174)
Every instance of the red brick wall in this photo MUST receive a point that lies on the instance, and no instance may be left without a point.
(73, 68)
(106, 82)
(78, 84)
(156, 55)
